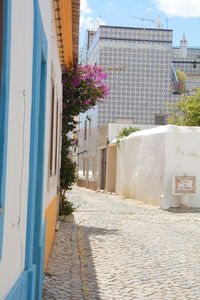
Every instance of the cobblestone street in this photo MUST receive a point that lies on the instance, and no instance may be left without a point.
(122, 249)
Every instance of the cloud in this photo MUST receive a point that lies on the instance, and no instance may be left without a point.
(110, 4)
(86, 22)
(84, 7)
(87, 18)
(179, 8)
(149, 9)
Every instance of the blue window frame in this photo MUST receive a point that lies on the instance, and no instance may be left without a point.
(4, 104)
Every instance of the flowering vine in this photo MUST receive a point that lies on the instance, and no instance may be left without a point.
(83, 88)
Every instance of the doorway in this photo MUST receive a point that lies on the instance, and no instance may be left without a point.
(103, 168)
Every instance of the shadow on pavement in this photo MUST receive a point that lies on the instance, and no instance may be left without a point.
(184, 211)
(88, 273)
(71, 272)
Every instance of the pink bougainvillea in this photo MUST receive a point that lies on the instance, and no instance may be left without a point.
(83, 88)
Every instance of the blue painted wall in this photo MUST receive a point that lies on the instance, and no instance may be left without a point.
(23, 288)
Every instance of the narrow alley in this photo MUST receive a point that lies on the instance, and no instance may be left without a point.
(122, 249)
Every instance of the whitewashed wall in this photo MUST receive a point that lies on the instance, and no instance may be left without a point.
(12, 263)
(53, 73)
(182, 157)
(147, 161)
(88, 147)
(16, 197)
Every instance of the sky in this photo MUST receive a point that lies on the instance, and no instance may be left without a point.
(183, 16)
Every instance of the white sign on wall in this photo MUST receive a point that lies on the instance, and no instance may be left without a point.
(184, 185)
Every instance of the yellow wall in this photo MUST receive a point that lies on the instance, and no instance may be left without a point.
(50, 216)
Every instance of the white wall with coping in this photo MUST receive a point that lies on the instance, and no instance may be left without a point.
(182, 158)
(99, 138)
(114, 128)
(108, 135)
(147, 160)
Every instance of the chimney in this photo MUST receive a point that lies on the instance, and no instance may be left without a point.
(159, 24)
(183, 47)
(91, 34)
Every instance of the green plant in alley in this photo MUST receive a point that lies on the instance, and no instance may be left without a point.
(187, 111)
(124, 132)
(66, 207)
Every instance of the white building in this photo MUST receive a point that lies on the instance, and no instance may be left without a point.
(163, 166)
(142, 64)
(35, 42)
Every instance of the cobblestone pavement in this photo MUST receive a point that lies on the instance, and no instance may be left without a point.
(123, 249)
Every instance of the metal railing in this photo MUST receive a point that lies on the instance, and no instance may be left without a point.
(184, 87)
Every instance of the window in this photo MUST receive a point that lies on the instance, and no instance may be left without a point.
(93, 166)
(51, 131)
(56, 142)
(84, 167)
(90, 127)
(160, 120)
(85, 130)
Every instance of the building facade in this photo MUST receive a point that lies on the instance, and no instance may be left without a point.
(36, 41)
(138, 178)
(142, 65)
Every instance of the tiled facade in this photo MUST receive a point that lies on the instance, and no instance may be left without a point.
(140, 64)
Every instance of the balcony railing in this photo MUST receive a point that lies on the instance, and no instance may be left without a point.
(184, 87)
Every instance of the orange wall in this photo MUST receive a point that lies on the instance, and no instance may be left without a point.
(50, 216)
(66, 23)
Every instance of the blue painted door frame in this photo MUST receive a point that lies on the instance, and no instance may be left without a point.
(35, 236)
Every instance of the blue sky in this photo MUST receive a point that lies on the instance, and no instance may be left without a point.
(183, 16)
